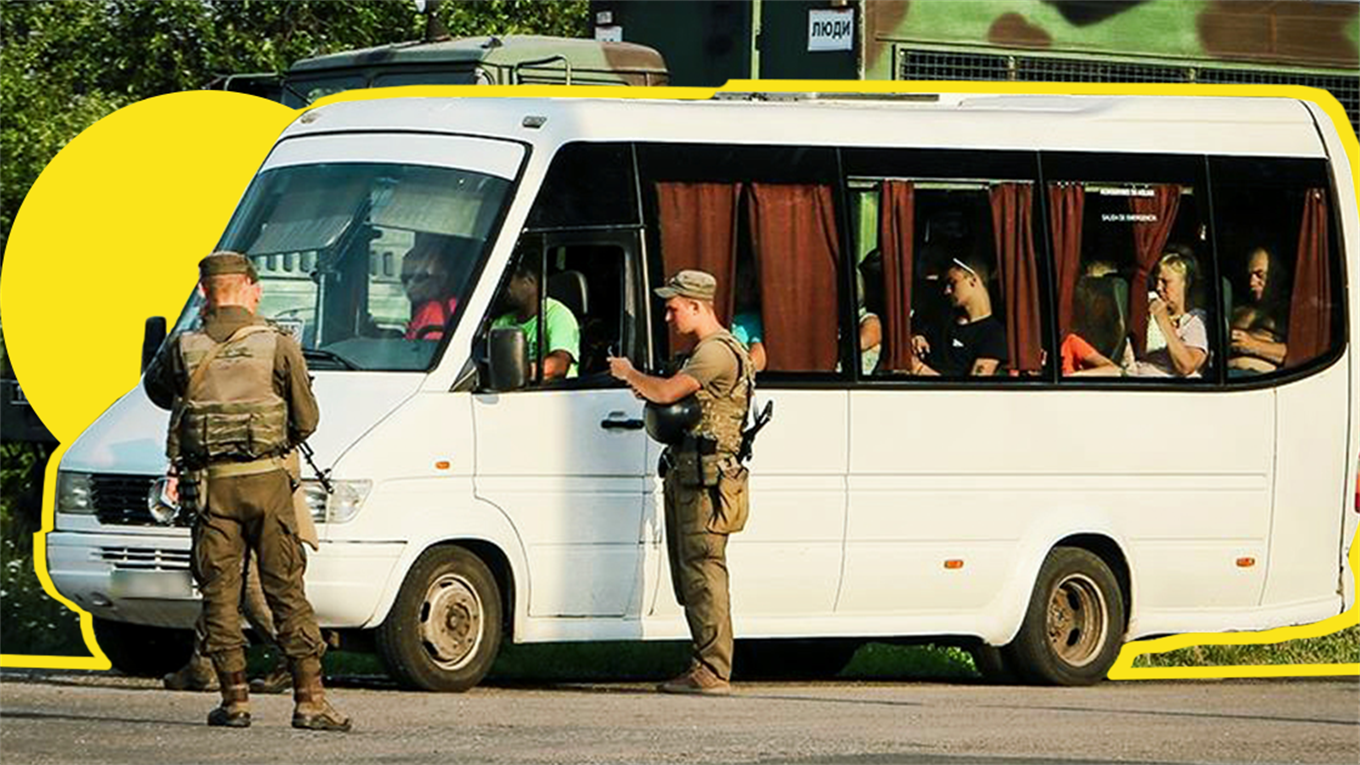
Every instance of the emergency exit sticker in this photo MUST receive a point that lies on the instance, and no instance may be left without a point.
(831, 29)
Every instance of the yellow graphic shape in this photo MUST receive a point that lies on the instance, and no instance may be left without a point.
(112, 230)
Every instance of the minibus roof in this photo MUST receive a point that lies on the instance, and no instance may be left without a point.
(1161, 124)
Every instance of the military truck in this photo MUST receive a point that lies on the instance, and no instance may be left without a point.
(507, 60)
(708, 42)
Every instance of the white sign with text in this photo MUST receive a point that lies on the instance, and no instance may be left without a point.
(831, 30)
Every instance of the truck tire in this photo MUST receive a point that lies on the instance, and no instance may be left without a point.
(1074, 626)
(444, 630)
(142, 651)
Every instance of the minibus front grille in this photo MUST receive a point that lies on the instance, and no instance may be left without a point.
(145, 558)
(120, 500)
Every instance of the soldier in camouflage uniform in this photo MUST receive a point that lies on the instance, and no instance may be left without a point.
(705, 484)
(240, 400)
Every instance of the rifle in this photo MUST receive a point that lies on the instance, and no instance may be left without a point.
(321, 475)
(748, 436)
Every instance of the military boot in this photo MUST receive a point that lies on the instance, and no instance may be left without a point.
(234, 711)
(310, 708)
(196, 675)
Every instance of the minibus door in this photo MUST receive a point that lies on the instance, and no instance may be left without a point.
(565, 461)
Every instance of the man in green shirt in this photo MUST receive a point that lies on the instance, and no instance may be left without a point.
(562, 335)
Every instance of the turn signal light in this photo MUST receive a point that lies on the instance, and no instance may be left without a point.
(1247, 562)
(953, 563)
(441, 465)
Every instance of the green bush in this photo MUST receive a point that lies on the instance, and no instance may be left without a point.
(32, 623)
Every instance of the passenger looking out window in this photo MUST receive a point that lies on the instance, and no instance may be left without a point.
(1258, 327)
(1178, 335)
(427, 276)
(974, 343)
(561, 336)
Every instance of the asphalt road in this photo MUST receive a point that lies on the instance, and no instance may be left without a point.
(48, 717)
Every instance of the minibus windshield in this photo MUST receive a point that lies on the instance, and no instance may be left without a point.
(365, 264)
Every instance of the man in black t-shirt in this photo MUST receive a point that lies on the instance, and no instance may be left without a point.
(974, 344)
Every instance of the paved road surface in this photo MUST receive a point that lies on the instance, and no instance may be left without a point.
(50, 717)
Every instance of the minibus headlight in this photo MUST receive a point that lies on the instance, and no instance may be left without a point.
(339, 507)
(75, 492)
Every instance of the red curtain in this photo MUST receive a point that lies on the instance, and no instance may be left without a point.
(1066, 204)
(1018, 270)
(1310, 305)
(793, 232)
(698, 224)
(1149, 237)
(897, 232)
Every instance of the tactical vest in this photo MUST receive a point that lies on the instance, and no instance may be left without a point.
(230, 410)
(724, 414)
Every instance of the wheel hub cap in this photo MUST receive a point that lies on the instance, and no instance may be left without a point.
(1077, 620)
(451, 621)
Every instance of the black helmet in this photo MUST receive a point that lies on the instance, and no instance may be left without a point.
(668, 423)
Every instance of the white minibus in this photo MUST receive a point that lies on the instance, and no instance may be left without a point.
(1049, 374)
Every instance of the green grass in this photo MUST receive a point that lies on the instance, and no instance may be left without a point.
(1337, 648)
(880, 661)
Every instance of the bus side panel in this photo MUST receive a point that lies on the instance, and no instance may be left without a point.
(1185, 478)
(1348, 215)
(1310, 462)
(421, 460)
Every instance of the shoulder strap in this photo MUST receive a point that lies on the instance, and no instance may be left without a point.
(196, 378)
(731, 343)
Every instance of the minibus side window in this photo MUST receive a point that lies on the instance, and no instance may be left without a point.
(948, 281)
(570, 274)
(1133, 268)
(575, 292)
(766, 222)
(1280, 263)
(587, 185)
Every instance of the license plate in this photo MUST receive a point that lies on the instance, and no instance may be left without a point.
(151, 584)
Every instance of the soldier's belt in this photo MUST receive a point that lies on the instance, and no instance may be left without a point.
(694, 469)
(254, 467)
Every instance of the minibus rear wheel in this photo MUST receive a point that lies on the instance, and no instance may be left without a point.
(444, 630)
(142, 651)
(1074, 626)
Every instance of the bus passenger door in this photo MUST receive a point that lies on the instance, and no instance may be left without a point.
(564, 459)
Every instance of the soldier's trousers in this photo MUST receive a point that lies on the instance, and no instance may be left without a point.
(255, 512)
(253, 607)
(698, 560)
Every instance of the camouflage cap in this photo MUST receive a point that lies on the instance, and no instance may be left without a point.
(221, 263)
(697, 285)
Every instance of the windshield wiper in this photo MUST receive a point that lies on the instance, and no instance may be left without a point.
(324, 355)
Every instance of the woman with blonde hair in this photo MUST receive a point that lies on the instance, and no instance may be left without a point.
(1177, 334)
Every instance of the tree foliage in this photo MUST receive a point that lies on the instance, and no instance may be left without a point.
(64, 64)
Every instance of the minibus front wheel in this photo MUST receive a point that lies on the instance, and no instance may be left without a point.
(1074, 626)
(444, 630)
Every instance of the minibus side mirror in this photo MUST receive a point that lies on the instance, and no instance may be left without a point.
(152, 337)
(507, 363)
